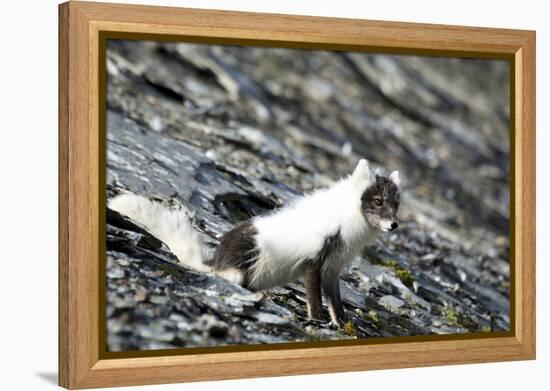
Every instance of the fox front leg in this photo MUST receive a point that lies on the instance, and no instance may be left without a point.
(331, 287)
(313, 292)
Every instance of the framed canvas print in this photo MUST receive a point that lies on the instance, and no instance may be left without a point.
(247, 195)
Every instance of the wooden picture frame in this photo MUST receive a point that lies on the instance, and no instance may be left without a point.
(81, 29)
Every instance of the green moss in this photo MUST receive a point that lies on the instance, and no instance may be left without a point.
(460, 319)
(349, 328)
(373, 316)
(450, 313)
(170, 270)
(403, 274)
(282, 299)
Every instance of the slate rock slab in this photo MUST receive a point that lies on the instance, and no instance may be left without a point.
(231, 132)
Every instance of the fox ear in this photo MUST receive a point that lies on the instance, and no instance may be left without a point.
(362, 170)
(394, 177)
(362, 174)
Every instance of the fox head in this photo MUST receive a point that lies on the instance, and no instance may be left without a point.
(380, 200)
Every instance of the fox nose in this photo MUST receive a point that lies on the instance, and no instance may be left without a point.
(394, 226)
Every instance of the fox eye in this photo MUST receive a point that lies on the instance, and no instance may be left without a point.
(377, 202)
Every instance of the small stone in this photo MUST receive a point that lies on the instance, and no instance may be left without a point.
(255, 297)
(211, 154)
(159, 299)
(347, 148)
(115, 274)
(269, 318)
(391, 302)
(156, 124)
(123, 262)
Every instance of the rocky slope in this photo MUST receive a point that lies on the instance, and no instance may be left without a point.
(231, 132)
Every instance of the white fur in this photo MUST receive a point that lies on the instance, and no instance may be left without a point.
(292, 235)
(170, 226)
(234, 275)
(394, 176)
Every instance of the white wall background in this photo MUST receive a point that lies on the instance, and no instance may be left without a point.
(28, 183)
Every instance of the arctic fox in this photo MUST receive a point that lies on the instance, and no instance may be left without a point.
(316, 236)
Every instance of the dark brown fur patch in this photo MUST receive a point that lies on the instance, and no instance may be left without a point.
(237, 250)
(331, 244)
